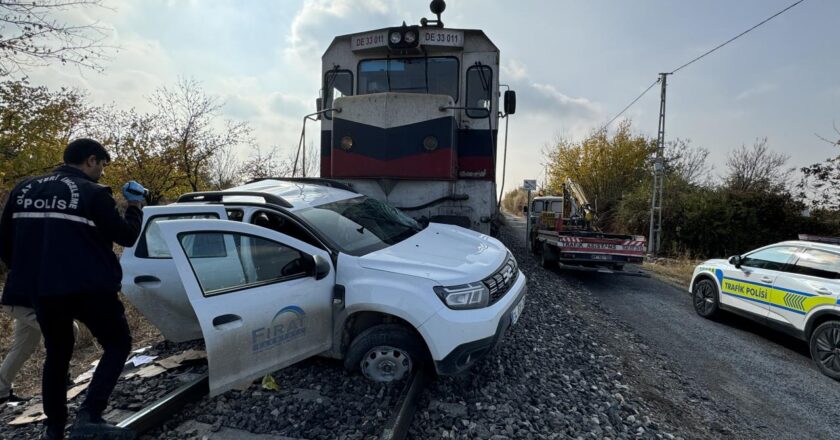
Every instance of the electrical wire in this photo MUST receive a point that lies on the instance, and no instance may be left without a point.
(629, 105)
(698, 59)
(736, 37)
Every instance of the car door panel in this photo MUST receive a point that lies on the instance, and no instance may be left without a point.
(150, 280)
(746, 289)
(750, 287)
(809, 284)
(260, 326)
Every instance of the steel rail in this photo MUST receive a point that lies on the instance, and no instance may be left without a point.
(161, 410)
(400, 421)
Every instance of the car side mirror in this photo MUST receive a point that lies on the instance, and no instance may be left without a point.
(735, 260)
(510, 102)
(322, 267)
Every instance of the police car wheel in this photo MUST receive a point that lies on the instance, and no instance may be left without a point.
(825, 348)
(705, 298)
(385, 353)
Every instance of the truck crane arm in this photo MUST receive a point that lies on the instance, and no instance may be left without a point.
(582, 204)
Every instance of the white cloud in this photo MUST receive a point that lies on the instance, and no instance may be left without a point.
(541, 99)
(318, 21)
(514, 70)
(757, 90)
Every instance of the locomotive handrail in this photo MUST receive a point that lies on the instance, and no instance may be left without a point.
(480, 109)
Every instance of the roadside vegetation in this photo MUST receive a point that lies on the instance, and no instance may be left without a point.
(756, 200)
(184, 144)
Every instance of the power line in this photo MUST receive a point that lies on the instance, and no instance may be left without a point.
(698, 59)
(737, 36)
(629, 105)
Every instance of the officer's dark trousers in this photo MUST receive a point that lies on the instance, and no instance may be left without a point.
(104, 316)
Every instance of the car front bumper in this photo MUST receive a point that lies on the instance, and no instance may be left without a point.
(463, 351)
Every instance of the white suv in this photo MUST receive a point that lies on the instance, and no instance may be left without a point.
(793, 286)
(275, 271)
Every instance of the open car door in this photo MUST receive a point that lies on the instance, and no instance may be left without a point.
(150, 280)
(263, 299)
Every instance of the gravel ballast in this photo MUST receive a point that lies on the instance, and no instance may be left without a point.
(566, 370)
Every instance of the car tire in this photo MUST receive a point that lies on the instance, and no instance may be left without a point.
(825, 348)
(385, 353)
(548, 257)
(706, 298)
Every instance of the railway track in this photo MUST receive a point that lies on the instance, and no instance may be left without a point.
(156, 414)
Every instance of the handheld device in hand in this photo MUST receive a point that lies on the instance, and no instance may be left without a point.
(134, 192)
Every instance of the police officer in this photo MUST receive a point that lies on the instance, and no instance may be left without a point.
(56, 237)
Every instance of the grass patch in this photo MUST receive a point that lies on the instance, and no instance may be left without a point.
(673, 270)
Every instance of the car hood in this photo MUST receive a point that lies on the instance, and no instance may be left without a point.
(446, 254)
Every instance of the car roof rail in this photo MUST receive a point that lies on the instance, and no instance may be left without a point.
(217, 196)
(819, 239)
(311, 180)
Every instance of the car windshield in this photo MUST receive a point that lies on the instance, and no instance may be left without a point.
(360, 225)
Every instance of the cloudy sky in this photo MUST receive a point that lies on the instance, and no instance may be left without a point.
(574, 64)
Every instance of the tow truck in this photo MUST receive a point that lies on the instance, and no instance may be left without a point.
(564, 233)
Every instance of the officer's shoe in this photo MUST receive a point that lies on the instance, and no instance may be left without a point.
(91, 426)
(52, 432)
(12, 398)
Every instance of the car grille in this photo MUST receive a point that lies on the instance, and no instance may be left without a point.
(502, 280)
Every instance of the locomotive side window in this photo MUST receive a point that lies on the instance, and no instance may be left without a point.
(479, 85)
(435, 75)
(337, 83)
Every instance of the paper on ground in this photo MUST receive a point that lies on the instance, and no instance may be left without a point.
(141, 360)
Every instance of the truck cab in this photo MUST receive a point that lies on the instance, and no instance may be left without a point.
(276, 271)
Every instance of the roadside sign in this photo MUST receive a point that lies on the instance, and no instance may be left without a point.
(529, 185)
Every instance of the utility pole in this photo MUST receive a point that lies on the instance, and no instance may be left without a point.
(655, 237)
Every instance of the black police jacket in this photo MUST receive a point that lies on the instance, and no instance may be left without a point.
(56, 237)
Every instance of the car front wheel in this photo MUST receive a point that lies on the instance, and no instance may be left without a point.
(705, 296)
(385, 353)
(825, 348)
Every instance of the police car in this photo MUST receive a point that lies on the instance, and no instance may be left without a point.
(793, 286)
(276, 271)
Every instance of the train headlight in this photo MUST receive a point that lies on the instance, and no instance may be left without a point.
(346, 143)
(430, 143)
(410, 37)
(395, 37)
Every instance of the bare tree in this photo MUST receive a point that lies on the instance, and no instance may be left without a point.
(688, 162)
(277, 163)
(141, 152)
(836, 130)
(757, 168)
(31, 35)
(191, 120)
(224, 169)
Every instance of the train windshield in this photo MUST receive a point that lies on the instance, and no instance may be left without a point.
(434, 75)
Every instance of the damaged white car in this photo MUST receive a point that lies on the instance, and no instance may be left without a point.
(275, 271)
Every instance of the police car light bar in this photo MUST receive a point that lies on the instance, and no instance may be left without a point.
(818, 239)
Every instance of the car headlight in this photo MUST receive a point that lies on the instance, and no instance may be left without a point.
(395, 37)
(465, 296)
(410, 37)
(346, 143)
